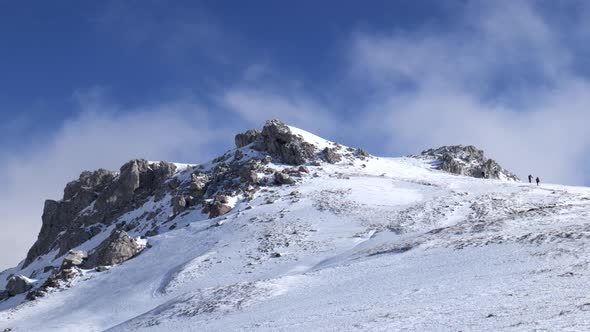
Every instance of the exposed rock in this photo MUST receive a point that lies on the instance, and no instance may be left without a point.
(248, 173)
(283, 178)
(362, 153)
(48, 269)
(198, 184)
(4, 294)
(102, 268)
(238, 155)
(277, 139)
(95, 181)
(74, 258)
(18, 285)
(331, 155)
(267, 160)
(97, 197)
(466, 160)
(303, 169)
(179, 204)
(219, 206)
(116, 249)
(246, 138)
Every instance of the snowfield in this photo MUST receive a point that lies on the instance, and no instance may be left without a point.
(380, 245)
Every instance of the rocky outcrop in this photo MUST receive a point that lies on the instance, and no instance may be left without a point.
(466, 160)
(331, 155)
(246, 138)
(74, 258)
(283, 178)
(219, 206)
(277, 139)
(198, 184)
(248, 173)
(97, 198)
(116, 249)
(17, 285)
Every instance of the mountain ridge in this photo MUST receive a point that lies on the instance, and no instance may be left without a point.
(190, 242)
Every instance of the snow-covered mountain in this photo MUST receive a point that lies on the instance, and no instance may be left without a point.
(289, 231)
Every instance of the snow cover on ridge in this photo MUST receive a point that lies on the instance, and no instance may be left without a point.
(363, 244)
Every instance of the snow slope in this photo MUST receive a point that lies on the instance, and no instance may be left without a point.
(383, 244)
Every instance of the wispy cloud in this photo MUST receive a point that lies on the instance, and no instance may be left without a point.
(503, 79)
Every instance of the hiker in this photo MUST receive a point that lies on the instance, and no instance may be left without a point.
(483, 175)
(538, 180)
(530, 178)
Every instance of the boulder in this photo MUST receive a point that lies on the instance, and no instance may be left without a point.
(331, 155)
(116, 249)
(74, 258)
(283, 178)
(303, 169)
(218, 209)
(179, 204)
(18, 285)
(219, 206)
(198, 184)
(246, 138)
(277, 139)
(248, 174)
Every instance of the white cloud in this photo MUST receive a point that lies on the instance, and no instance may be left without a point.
(503, 80)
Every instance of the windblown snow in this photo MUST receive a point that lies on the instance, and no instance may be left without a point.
(380, 244)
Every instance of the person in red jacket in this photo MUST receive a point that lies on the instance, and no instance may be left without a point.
(537, 180)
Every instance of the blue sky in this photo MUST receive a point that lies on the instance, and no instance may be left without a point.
(87, 85)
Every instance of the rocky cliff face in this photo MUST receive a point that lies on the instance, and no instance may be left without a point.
(465, 160)
(95, 200)
(99, 200)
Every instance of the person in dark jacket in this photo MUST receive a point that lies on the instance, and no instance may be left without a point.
(537, 180)
(530, 178)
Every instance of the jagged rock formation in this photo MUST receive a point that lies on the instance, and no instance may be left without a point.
(116, 249)
(18, 285)
(277, 139)
(95, 200)
(246, 138)
(466, 160)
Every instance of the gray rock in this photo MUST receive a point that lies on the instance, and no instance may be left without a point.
(218, 209)
(277, 139)
(198, 184)
(74, 258)
(179, 204)
(48, 269)
(465, 160)
(116, 249)
(248, 174)
(246, 138)
(283, 178)
(17, 285)
(102, 268)
(219, 206)
(267, 160)
(64, 226)
(4, 294)
(331, 155)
